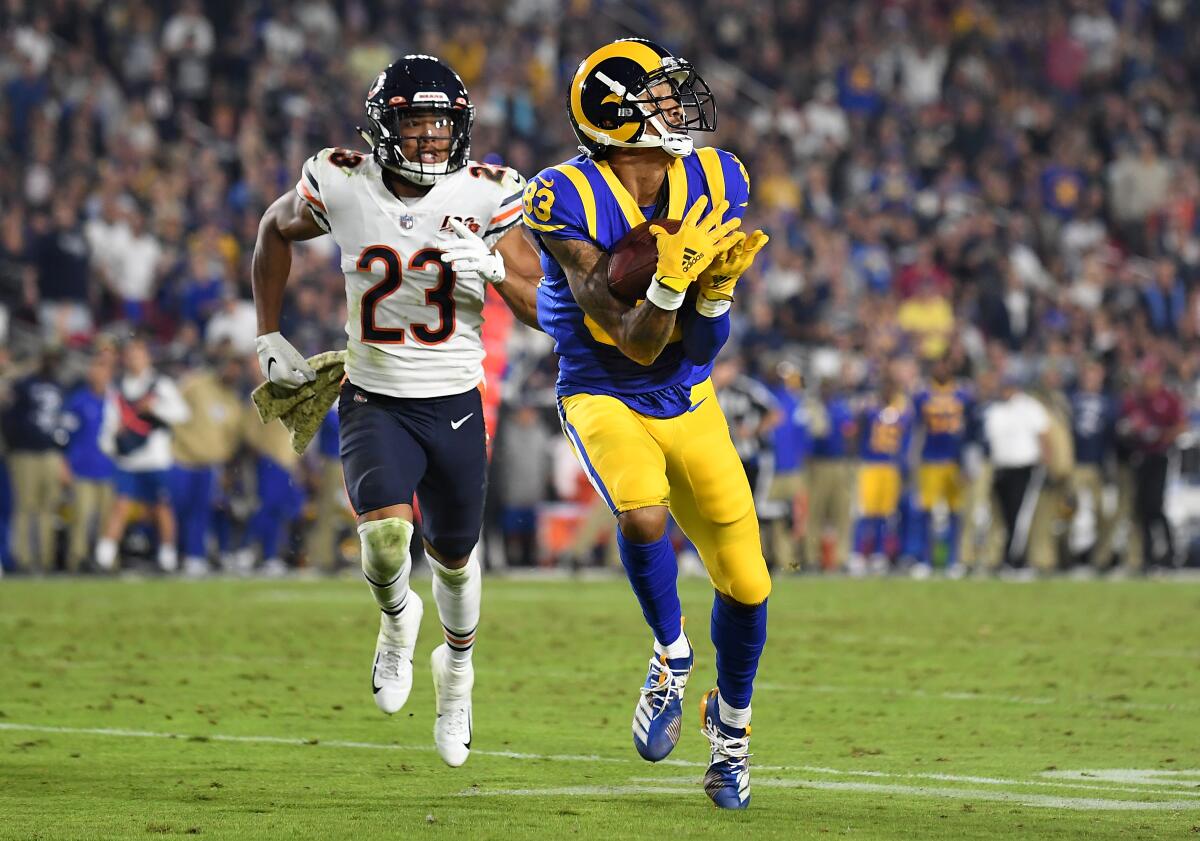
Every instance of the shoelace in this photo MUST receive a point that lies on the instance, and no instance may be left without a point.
(666, 685)
(389, 664)
(734, 749)
(456, 721)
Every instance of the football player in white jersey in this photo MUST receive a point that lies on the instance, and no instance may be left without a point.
(422, 231)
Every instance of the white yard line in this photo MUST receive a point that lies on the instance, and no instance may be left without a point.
(1153, 779)
(988, 795)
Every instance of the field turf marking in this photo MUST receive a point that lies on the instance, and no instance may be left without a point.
(1155, 779)
(1040, 800)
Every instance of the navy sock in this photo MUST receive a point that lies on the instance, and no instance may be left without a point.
(739, 633)
(952, 530)
(862, 535)
(928, 538)
(881, 535)
(652, 571)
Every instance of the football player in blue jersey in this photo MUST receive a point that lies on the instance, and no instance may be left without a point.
(634, 394)
(941, 413)
(886, 425)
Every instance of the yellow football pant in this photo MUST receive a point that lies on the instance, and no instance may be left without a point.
(878, 489)
(939, 482)
(688, 463)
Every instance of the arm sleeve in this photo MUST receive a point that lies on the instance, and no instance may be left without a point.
(552, 207)
(507, 214)
(703, 337)
(169, 405)
(309, 187)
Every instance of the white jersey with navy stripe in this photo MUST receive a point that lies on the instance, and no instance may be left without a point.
(413, 324)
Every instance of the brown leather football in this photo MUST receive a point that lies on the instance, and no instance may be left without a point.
(633, 259)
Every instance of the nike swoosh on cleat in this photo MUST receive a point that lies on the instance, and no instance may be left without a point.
(697, 405)
(456, 424)
(375, 689)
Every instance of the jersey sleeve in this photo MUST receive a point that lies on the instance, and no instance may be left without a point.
(309, 187)
(737, 184)
(508, 212)
(552, 207)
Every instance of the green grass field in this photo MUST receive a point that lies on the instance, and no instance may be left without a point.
(885, 709)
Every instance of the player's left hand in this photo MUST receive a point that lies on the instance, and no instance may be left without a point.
(469, 253)
(718, 280)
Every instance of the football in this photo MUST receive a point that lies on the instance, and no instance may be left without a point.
(632, 261)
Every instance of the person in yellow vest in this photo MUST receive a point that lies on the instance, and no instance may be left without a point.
(203, 446)
(277, 484)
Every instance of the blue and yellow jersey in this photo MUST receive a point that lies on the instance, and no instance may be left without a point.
(943, 410)
(886, 432)
(583, 199)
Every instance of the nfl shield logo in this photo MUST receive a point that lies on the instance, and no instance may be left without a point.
(407, 222)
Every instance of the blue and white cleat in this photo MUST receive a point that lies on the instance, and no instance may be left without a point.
(658, 717)
(727, 780)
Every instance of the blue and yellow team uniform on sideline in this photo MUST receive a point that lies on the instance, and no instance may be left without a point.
(942, 411)
(886, 432)
(647, 434)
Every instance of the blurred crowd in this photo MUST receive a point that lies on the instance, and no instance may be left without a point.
(1005, 189)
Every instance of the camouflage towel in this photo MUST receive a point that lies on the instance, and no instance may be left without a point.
(302, 410)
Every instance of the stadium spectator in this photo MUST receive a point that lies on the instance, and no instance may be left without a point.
(1037, 163)
(1052, 515)
(832, 428)
(92, 471)
(522, 458)
(34, 430)
(982, 543)
(752, 414)
(1152, 419)
(202, 445)
(331, 510)
(784, 510)
(1093, 425)
(60, 254)
(278, 492)
(136, 434)
(1017, 428)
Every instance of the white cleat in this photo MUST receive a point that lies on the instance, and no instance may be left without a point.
(392, 672)
(452, 686)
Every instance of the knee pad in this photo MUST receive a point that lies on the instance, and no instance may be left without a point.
(385, 554)
(750, 584)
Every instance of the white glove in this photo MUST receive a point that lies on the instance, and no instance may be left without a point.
(281, 363)
(469, 253)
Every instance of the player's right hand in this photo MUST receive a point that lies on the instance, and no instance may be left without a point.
(281, 363)
(683, 255)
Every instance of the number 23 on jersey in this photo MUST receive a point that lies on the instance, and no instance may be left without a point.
(440, 295)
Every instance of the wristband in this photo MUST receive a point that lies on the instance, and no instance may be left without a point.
(712, 307)
(664, 297)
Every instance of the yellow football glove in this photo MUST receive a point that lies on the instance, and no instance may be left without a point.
(683, 255)
(718, 280)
